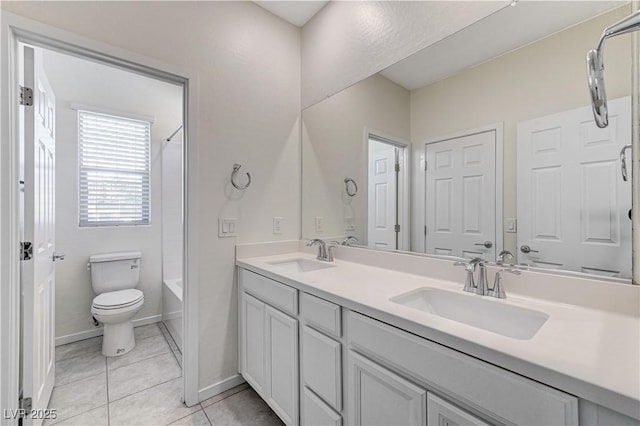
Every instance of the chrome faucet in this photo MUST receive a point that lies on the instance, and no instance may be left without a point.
(350, 239)
(498, 290)
(323, 254)
(469, 283)
(504, 255)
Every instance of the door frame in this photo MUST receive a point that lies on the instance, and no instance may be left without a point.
(421, 199)
(404, 208)
(15, 29)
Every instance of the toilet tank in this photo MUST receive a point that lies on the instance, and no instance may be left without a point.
(115, 271)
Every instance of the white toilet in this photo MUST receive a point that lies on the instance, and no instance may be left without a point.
(114, 278)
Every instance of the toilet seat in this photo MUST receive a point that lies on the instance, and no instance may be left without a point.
(118, 299)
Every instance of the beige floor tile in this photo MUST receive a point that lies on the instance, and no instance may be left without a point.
(159, 405)
(145, 348)
(81, 347)
(142, 375)
(199, 418)
(80, 367)
(96, 417)
(224, 395)
(79, 397)
(145, 331)
(243, 408)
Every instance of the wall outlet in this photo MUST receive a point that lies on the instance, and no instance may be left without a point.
(350, 223)
(277, 225)
(511, 226)
(319, 224)
(227, 227)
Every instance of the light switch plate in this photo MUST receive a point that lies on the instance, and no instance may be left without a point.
(511, 226)
(277, 225)
(319, 224)
(227, 227)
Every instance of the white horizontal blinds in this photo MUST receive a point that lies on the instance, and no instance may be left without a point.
(114, 170)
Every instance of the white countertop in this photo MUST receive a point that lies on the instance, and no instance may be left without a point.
(590, 353)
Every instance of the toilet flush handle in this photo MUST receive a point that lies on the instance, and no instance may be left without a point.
(58, 256)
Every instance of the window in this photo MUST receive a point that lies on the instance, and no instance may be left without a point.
(114, 170)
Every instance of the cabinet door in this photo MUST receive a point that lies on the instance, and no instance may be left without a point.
(316, 413)
(252, 342)
(442, 413)
(282, 365)
(379, 397)
(322, 366)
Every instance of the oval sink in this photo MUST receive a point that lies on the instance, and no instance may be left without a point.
(300, 265)
(476, 311)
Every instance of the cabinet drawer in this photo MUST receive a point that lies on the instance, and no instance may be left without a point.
(323, 315)
(316, 413)
(272, 292)
(491, 390)
(322, 366)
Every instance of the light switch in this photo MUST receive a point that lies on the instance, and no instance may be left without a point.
(227, 227)
(511, 225)
(319, 223)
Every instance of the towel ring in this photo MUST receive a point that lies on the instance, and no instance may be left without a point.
(353, 192)
(236, 168)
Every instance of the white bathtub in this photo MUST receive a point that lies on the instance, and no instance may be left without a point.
(172, 309)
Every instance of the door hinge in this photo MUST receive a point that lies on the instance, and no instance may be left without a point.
(425, 230)
(425, 166)
(397, 167)
(397, 228)
(26, 250)
(26, 96)
(25, 405)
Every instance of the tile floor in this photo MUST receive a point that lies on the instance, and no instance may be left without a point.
(142, 387)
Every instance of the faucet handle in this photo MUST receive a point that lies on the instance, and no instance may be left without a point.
(469, 282)
(498, 290)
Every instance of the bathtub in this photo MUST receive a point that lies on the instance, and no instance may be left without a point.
(172, 309)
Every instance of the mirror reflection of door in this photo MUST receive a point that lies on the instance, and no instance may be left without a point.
(386, 194)
(573, 204)
(460, 194)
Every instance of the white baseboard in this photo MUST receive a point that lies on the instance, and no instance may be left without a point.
(88, 334)
(218, 388)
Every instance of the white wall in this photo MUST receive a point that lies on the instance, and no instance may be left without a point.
(88, 83)
(248, 61)
(172, 207)
(546, 77)
(334, 147)
(348, 41)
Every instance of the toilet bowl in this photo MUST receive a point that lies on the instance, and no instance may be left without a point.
(115, 310)
(114, 277)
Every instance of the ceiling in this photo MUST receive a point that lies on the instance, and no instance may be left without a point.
(506, 30)
(295, 12)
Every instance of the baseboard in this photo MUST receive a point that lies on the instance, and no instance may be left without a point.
(88, 334)
(218, 388)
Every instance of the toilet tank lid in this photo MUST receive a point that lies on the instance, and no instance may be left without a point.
(110, 257)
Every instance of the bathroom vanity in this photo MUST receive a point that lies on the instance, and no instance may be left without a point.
(357, 341)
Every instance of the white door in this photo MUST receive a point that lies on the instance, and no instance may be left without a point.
(573, 205)
(38, 274)
(461, 196)
(377, 396)
(382, 198)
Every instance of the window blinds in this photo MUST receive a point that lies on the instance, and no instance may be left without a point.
(114, 170)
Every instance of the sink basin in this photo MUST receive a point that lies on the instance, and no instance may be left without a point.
(476, 311)
(301, 265)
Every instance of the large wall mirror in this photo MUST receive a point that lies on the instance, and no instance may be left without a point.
(483, 143)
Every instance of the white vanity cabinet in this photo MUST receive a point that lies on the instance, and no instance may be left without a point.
(269, 342)
(406, 366)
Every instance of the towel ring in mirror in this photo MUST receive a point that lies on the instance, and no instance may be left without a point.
(351, 190)
(236, 168)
